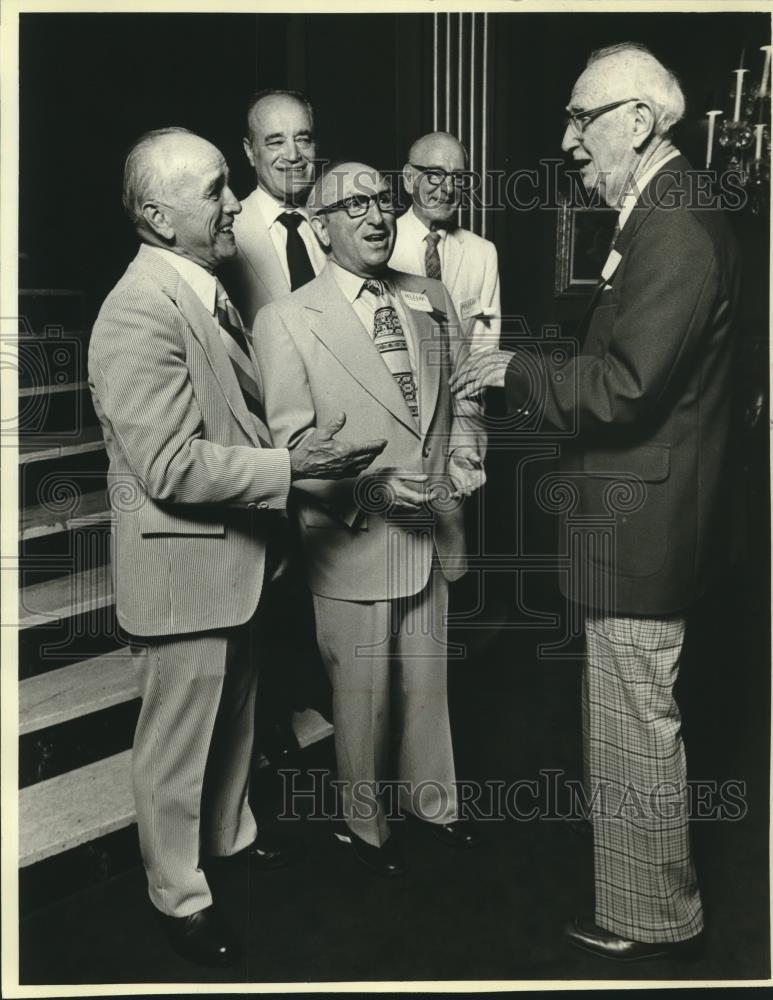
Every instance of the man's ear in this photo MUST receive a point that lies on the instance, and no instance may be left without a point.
(408, 178)
(643, 123)
(157, 220)
(248, 151)
(319, 225)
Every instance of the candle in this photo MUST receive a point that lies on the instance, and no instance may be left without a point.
(765, 70)
(760, 132)
(738, 92)
(712, 117)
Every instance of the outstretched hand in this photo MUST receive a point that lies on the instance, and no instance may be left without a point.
(320, 456)
(479, 372)
(465, 467)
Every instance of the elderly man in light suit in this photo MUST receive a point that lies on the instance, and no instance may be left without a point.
(649, 399)
(179, 397)
(429, 241)
(380, 550)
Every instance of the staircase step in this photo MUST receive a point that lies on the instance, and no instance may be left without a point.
(77, 807)
(81, 688)
(63, 597)
(73, 808)
(41, 520)
(51, 390)
(40, 448)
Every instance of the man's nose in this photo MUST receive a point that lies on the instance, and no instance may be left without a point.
(232, 204)
(375, 216)
(570, 140)
(291, 151)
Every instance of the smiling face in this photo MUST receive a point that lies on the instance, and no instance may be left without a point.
(281, 147)
(434, 205)
(361, 245)
(195, 208)
(606, 150)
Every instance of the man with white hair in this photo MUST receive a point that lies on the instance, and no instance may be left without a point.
(180, 399)
(430, 242)
(648, 402)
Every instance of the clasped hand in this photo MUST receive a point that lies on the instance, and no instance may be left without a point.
(320, 456)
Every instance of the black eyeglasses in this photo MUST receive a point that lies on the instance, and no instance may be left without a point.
(357, 205)
(436, 176)
(580, 120)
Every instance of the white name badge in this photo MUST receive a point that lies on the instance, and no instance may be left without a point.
(610, 267)
(470, 307)
(417, 300)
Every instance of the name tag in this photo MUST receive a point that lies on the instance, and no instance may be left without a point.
(610, 267)
(417, 300)
(470, 307)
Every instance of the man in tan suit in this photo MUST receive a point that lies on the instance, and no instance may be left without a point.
(179, 397)
(380, 549)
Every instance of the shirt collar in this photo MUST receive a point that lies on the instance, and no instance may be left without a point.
(271, 209)
(350, 283)
(417, 227)
(632, 196)
(202, 281)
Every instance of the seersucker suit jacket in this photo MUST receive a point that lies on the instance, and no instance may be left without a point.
(318, 360)
(470, 273)
(191, 488)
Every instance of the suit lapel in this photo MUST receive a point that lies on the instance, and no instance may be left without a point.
(204, 329)
(257, 248)
(336, 324)
(453, 260)
(428, 349)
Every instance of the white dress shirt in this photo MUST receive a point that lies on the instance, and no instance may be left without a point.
(629, 199)
(270, 209)
(202, 281)
(418, 233)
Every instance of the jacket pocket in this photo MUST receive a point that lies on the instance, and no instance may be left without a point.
(154, 520)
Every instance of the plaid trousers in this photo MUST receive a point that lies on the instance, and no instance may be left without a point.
(636, 779)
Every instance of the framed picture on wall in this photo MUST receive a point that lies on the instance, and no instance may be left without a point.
(583, 236)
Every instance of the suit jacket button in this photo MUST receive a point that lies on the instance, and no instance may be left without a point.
(263, 505)
(426, 451)
(252, 506)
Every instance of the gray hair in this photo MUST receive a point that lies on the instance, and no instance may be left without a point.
(141, 179)
(654, 83)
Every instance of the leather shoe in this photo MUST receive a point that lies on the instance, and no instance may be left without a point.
(203, 937)
(590, 937)
(462, 834)
(269, 852)
(386, 861)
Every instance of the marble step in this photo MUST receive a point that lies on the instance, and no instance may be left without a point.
(42, 520)
(75, 690)
(65, 596)
(96, 800)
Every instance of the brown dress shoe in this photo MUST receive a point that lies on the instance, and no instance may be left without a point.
(590, 937)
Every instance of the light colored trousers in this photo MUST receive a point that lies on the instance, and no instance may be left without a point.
(387, 666)
(646, 888)
(191, 759)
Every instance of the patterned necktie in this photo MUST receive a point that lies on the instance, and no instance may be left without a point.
(235, 342)
(432, 257)
(389, 339)
(298, 262)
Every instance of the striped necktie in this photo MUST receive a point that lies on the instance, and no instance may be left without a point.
(389, 340)
(432, 257)
(238, 349)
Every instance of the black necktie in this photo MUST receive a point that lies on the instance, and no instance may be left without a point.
(298, 262)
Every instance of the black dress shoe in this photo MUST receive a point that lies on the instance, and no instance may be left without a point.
(590, 937)
(204, 937)
(385, 861)
(271, 851)
(461, 834)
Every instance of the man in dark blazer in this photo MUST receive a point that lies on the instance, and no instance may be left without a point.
(648, 400)
(179, 396)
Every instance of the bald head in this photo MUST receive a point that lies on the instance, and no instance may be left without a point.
(433, 162)
(176, 193)
(362, 242)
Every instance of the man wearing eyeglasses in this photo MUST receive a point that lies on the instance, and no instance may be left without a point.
(649, 403)
(430, 242)
(380, 345)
